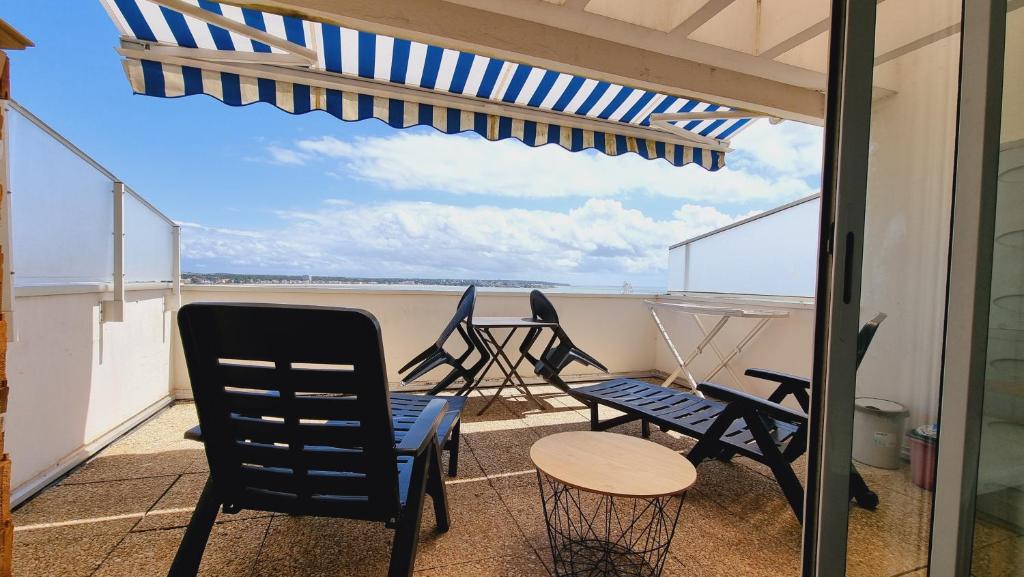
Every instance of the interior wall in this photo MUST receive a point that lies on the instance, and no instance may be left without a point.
(78, 379)
(614, 328)
(907, 226)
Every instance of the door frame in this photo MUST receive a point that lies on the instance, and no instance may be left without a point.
(969, 286)
(837, 314)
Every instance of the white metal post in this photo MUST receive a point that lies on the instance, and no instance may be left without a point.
(113, 310)
(175, 302)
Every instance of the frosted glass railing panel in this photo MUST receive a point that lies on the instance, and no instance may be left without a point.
(772, 255)
(62, 208)
(148, 243)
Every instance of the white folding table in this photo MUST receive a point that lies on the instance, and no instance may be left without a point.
(725, 313)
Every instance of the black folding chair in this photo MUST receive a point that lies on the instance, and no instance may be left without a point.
(435, 355)
(559, 351)
(295, 414)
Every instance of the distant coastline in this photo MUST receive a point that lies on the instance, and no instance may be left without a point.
(275, 279)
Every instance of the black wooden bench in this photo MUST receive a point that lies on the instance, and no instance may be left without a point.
(731, 423)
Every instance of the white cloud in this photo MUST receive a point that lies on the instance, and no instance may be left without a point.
(771, 164)
(279, 155)
(600, 242)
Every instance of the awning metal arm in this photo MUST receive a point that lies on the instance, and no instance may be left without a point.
(243, 29)
(272, 58)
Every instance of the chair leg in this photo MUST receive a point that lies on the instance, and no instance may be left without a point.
(453, 450)
(407, 533)
(438, 494)
(190, 551)
(645, 428)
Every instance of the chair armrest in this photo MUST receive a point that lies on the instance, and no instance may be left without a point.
(424, 430)
(777, 377)
(764, 406)
(194, 434)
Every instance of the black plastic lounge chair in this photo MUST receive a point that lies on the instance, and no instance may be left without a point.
(435, 356)
(296, 418)
(560, 350)
(730, 422)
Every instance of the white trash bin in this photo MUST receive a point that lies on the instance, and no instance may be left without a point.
(878, 427)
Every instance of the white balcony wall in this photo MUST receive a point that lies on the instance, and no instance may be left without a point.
(76, 382)
(614, 328)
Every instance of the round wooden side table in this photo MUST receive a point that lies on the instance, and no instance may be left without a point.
(611, 502)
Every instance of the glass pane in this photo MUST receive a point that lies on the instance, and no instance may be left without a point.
(906, 240)
(767, 255)
(999, 527)
(148, 243)
(63, 211)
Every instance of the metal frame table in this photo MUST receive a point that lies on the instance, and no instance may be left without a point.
(611, 502)
(724, 314)
(484, 327)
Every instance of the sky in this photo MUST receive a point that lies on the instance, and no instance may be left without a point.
(257, 190)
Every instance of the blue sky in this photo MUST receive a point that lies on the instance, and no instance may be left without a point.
(259, 190)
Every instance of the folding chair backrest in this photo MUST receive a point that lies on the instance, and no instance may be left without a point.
(866, 334)
(294, 408)
(463, 312)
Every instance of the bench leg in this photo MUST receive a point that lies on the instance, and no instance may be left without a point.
(709, 445)
(859, 490)
(407, 533)
(776, 461)
(190, 551)
(436, 488)
(453, 449)
(645, 428)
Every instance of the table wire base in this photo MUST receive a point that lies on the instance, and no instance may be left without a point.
(594, 535)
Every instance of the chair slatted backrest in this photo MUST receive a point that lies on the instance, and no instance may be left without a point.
(294, 408)
(463, 312)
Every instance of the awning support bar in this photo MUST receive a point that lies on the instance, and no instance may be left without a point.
(243, 29)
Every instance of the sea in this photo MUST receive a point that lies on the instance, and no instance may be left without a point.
(574, 289)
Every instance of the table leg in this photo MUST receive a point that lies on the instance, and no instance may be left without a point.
(495, 349)
(508, 368)
(470, 387)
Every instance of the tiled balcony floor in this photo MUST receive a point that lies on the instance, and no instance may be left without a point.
(122, 514)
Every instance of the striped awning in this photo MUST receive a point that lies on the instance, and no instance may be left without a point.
(240, 56)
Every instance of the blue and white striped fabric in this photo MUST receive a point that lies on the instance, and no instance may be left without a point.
(623, 113)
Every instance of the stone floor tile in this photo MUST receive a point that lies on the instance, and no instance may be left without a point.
(526, 565)
(62, 555)
(88, 509)
(174, 509)
(231, 551)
